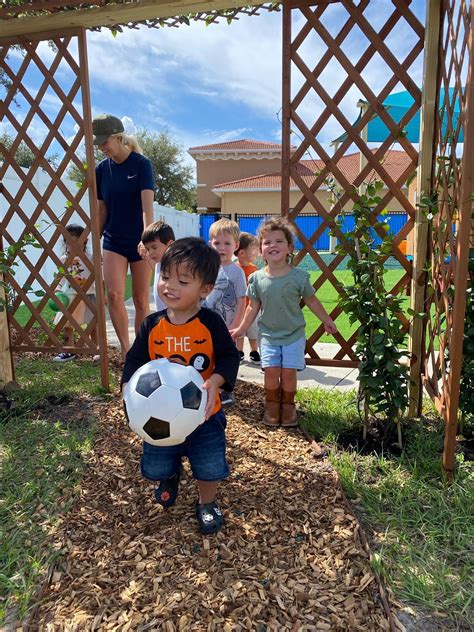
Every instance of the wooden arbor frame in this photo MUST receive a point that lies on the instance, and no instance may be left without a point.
(447, 41)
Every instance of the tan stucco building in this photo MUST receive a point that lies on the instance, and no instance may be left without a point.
(244, 177)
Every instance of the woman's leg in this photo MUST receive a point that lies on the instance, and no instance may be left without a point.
(141, 277)
(115, 273)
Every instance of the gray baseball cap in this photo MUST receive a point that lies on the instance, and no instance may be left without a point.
(104, 126)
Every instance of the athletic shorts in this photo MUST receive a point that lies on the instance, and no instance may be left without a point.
(130, 252)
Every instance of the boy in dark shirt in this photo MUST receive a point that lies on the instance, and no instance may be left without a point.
(196, 336)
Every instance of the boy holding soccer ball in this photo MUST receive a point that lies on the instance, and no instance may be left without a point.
(192, 335)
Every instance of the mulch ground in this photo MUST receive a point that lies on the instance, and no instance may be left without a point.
(289, 557)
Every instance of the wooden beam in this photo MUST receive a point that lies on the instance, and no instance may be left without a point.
(94, 211)
(423, 186)
(466, 208)
(286, 110)
(111, 15)
(7, 374)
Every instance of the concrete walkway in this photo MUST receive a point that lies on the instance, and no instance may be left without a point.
(326, 377)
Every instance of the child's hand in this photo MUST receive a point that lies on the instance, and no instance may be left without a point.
(330, 326)
(142, 251)
(211, 389)
(236, 333)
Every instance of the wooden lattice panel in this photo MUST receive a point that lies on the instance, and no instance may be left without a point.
(451, 220)
(339, 53)
(48, 94)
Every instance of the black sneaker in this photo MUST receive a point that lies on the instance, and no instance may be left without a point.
(64, 357)
(227, 399)
(167, 491)
(209, 518)
(254, 357)
(241, 355)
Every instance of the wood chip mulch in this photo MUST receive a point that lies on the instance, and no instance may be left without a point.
(288, 558)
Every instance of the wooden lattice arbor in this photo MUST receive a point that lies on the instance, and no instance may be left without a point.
(322, 40)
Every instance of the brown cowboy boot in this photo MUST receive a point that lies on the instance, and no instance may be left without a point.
(271, 416)
(288, 409)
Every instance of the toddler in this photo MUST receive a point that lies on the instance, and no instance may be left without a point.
(277, 291)
(246, 255)
(228, 296)
(77, 269)
(196, 336)
(155, 240)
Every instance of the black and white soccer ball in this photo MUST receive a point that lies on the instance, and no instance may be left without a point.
(165, 402)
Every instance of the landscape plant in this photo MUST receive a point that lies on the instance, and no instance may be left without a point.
(8, 263)
(383, 378)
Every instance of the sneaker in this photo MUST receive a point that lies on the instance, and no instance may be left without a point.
(64, 357)
(241, 356)
(167, 491)
(254, 357)
(209, 518)
(227, 399)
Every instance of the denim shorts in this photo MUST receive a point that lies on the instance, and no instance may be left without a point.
(285, 356)
(205, 449)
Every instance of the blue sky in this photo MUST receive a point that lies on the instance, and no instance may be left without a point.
(217, 83)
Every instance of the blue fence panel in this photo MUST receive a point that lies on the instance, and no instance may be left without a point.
(206, 221)
(308, 224)
(249, 223)
(396, 221)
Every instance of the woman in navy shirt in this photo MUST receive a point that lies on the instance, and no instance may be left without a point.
(125, 190)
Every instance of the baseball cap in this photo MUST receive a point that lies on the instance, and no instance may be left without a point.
(104, 126)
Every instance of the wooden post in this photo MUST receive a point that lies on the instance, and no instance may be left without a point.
(423, 186)
(334, 200)
(7, 373)
(364, 135)
(466, 207)
(95, 228)
(286, 105)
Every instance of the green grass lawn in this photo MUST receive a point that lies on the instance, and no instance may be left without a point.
(23, 314)
(422, 527)
(329, 297)
(41, 462)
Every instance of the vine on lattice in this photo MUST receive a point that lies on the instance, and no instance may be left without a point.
(8, 263)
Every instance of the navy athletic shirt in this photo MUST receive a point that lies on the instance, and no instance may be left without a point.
(120, 187)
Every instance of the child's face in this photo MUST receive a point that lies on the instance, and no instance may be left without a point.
(180, 290)
(225, 245)
(156, 250)
(275, 247)
(71, 240)
(248, 255)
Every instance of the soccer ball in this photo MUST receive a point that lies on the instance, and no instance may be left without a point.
(165, 402)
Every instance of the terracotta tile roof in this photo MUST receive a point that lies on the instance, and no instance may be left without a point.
(395, 163)
(238, 145)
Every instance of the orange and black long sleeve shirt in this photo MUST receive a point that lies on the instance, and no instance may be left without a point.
(203, 342)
